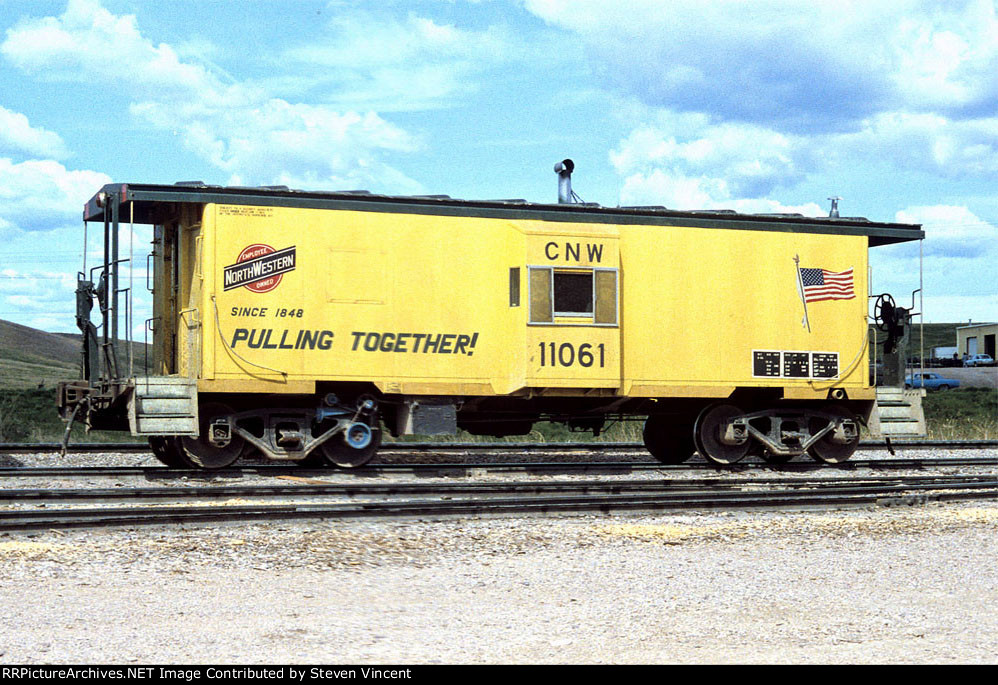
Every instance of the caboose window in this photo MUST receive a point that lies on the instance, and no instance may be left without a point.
(573, 296)
(573, 293)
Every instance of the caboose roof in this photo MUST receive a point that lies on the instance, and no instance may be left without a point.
(152, 204)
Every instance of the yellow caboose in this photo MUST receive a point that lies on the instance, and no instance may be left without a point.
(299, 325)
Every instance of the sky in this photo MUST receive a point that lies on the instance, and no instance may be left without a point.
(763, 106)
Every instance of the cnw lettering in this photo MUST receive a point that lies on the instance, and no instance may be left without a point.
(574, 251)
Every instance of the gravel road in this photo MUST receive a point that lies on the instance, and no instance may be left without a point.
(897, 585)
(973, 377)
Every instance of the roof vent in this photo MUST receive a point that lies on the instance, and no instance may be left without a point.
(834, 212)
(564, 170)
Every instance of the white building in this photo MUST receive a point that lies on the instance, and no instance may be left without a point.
(978, 338)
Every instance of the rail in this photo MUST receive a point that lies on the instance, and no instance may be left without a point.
(888, 493)
(390, 447)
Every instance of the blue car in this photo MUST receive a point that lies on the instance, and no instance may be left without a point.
(930, 381)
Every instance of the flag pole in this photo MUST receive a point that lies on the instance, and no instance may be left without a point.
(800, 291)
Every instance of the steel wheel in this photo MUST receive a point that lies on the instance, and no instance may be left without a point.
(199, 452)
(671, 442)
(828, 451)
(167, 452)
(707, 435)
(338, 453)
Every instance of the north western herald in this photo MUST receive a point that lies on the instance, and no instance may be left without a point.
(259, 268)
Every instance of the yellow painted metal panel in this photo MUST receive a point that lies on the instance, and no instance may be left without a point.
(365, 296)
(251, 385)
(420, 304)
(696, 303)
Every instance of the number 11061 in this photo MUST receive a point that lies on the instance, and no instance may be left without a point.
(567, 354)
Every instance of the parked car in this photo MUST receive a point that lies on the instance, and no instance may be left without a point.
(930, 381)
(979, 360)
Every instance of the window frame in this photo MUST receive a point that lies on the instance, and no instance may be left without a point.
(574, 318)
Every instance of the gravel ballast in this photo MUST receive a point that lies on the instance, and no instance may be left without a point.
(877, 585)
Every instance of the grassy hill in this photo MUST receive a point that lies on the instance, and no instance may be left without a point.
(31, 363)
(936, 335)
(30, 358)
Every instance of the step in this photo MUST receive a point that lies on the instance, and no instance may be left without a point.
(902, 429)
(898, 413)
(163, 405)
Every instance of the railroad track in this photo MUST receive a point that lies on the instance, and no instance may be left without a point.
(447, 447)
(488, 499)
(522, 488)
(455, 470)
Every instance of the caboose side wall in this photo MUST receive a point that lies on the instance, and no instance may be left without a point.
(697, 302)
(421, 304)
(414, 304)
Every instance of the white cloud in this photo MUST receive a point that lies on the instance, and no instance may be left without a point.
(748, 160)
(685, 162)
(802, 65)
(276, 142)
(953, 231)
(960, 252)
(389, 64)
(41, 195)
(19, 287)
(677, 191)
(945, 56)
(763, 61)
(88, 41)
(239, 128)
(17, 134)
(931, 142)
(38, 298)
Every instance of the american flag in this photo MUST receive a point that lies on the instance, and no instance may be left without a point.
(822, 284)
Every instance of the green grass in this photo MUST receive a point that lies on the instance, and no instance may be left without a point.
(30, 358)
(962, 414)
(23, 374)
(29, 415)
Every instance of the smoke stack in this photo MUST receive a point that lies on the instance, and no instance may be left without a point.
(564, 170)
